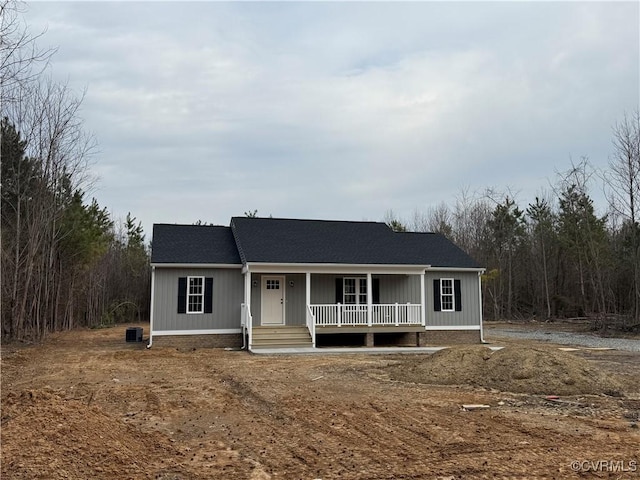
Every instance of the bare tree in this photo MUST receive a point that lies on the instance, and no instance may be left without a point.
(542, 235)
(623, 193)
(437, 219)
(583, 235)
(470, 216)
(21, 60)
(394, 222)
(35, 196)
(63, 263)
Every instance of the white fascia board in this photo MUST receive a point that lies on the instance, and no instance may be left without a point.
(454, 269)
(452, 327)
(221, 331)
(339, 268)
(197, 265)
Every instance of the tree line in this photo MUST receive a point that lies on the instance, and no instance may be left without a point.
(66, 262)
(555, 257)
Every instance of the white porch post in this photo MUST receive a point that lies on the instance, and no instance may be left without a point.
(247, 288)
(311, 318)
(369, 299)
(423, 309)
(480, 301)
(247, 303)
(153, 292)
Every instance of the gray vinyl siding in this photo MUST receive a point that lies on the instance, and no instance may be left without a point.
(323, 289)
(256, 282)
(228, 294)
(399, 288)
(470, 314)
(393, 288)
(295, 295)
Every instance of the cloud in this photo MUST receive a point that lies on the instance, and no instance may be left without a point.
(338, 110)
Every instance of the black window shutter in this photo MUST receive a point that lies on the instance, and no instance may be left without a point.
(458, 295)
(339, 291)
(182, 295)
(436, 295)
(375, 293)
(208, 295)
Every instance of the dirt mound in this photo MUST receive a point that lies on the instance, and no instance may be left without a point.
(47, 436)
(518, 369)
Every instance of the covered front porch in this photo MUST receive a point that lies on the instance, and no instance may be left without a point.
(301, 308)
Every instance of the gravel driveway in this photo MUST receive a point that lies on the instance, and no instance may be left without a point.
(567, 338)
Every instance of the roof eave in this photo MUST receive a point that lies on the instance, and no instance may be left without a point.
(196, 265)
(457, 269)
(274, 267)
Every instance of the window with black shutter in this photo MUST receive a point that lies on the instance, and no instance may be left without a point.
(195, 295)
(447, 295)
(457, 290)
(182, 295)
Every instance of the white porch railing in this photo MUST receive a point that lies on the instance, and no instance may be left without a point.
(311, 325)
(396, 314)
(357, 315)
(246, 324)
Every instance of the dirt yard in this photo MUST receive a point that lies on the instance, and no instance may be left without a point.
(85, 404)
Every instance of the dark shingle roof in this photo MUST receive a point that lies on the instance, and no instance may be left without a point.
(277, 240)
(434, 249)
(193, 244)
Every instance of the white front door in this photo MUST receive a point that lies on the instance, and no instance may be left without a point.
(273, 300)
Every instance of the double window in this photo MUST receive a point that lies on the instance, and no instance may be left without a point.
(355, 291)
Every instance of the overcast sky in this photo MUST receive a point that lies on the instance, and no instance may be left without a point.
(338, 110)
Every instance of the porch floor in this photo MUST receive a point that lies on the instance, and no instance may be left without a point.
(369, 329)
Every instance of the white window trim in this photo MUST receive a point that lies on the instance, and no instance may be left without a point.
(443, 295)
(201, 311)
(357, 293)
